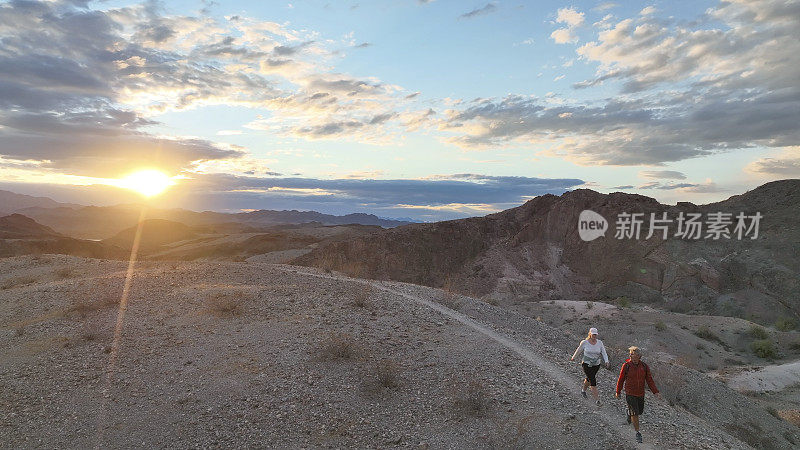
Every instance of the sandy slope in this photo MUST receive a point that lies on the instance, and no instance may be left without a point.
(189, 374)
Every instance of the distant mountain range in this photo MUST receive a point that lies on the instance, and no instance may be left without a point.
(534, 252)
(102, 222)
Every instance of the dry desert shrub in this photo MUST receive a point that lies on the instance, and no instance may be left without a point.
(387, 372)
(449, 296)
(337, 346)
(384, 374)
(361, 297)
(469, 396)
(82, 306)
(224, 303)
(17, 282)
(65, 272)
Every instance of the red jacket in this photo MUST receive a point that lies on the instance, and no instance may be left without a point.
(633, 377)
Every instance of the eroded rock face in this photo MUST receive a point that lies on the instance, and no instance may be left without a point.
(535, 252)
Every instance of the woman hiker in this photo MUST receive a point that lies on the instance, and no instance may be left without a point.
(594, 353)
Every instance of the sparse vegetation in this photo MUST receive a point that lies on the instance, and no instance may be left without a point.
(17, 282)
(785, 324)
(361, 298)
(758, 332)
(337, 346)
(660, 325)
(764, 348)
(83, 306)
(470, 396)
(622, 302)
(225, 304)
(795, 346)
(387, 373)
(65, 272)
(704, 332)
(589, 305)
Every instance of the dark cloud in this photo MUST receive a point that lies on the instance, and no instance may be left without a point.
(289, 50)
(788, 166)
(623, 188)
(488, 8)
(728, 81)
(363, 45)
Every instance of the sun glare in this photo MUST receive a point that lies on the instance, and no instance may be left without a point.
(148, 182)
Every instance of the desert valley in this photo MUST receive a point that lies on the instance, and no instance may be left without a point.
(287, 329)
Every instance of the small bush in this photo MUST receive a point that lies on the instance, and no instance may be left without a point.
(795, 345)
(589, 305)
(17, 282)
(387, 373)
(704, 332)
(660, 326)
(764, 348)
(785, 324)
(758, 332)
(337, 346)
(361, 298)
(224, 304)
(623, 302)
(470, 397)
(83, 306)
(65, 272)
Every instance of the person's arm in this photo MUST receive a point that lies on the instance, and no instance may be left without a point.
(577, 350)
(603, 352)
(620, 380)
(649, 378)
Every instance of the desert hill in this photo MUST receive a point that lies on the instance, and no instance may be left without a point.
(534, 252)
(249, 354)
(104, 222)
(155, 233)
(21, 235)
(16, 226)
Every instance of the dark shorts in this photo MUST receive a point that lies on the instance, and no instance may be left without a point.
(635, 404)
(591, 373)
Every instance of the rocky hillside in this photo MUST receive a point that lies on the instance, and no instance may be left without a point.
(257, 355)
(535, 252)
(21, 235)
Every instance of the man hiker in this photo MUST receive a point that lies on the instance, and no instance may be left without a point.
(633, 375)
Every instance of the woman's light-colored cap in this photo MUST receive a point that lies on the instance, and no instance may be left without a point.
(593, 331)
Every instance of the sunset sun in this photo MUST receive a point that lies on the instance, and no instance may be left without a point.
(149, 182)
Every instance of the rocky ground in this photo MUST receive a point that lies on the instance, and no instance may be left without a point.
(251, 354)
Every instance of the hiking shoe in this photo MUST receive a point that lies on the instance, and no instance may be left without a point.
(638, 437)
(583, 393)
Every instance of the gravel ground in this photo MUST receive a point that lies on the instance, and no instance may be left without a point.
(257, 355)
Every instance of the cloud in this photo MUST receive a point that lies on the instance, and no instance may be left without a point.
(624, 188)
(79, 87)
(689, 89)
(487, 9)
(433, 191)
(605, 6)
(694, 188)
(784, 166)
(573, 19)
(570, 16)
(667, 174)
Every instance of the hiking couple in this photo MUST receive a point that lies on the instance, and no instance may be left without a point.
(632, 376)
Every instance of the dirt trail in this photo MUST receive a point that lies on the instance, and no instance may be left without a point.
(608, 415)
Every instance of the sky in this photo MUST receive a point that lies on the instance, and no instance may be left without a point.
(425, 110)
